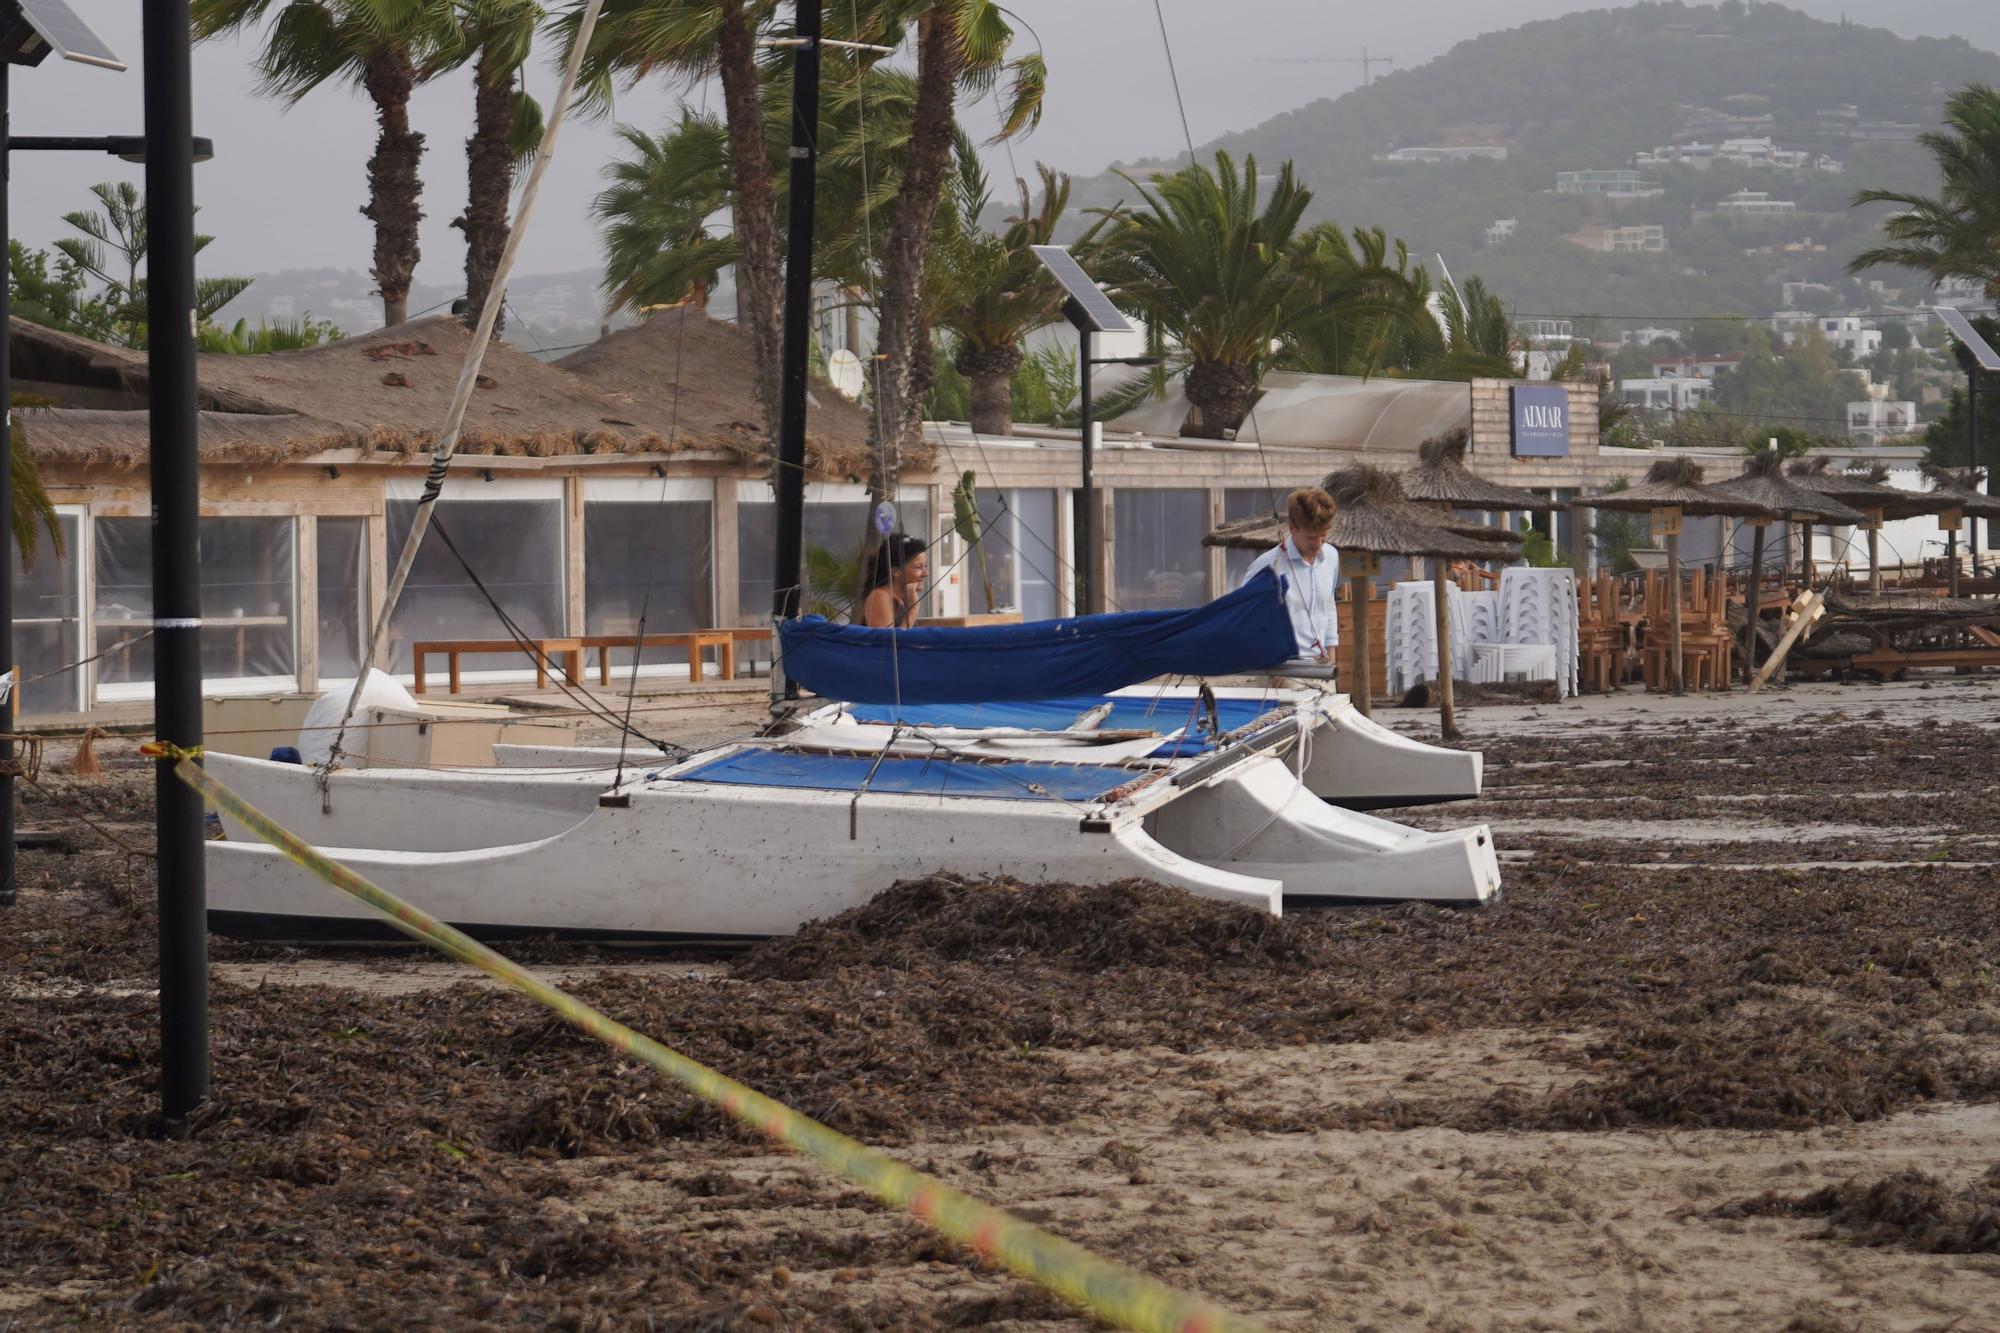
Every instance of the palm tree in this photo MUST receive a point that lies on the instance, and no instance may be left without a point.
(961, 45)
(689, 41)
(1955, 233)
(506, 126)
(661, 245)
(32, 505)
(990, 290)
(1217, 273)
(385, 47)
(1370, 314)
(1478, 336)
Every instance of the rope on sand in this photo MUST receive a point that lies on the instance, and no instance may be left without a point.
(1113, 1292)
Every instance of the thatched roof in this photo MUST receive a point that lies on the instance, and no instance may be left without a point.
(1441, 477)
(1958, 488)
(1763, 482)
(1371, 514)
(698, 373)
(387, 392)
(1866, 488)
(1670, 483)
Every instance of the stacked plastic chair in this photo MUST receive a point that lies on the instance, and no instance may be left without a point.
(1482, 616)
(1410, 636)
(1412, 632)
(1538, 606)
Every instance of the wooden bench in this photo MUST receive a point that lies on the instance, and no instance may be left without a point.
(542, 651)
(695, 642)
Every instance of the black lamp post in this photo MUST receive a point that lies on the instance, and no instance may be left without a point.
(30, 32)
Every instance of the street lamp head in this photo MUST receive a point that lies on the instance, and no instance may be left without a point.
(132, 147)
(32, 30)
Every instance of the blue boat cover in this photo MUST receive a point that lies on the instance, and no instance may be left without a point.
(1008, 781)
(1128, 713)
(1246, 630)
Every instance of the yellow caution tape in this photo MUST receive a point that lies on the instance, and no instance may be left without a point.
(169, 750)
(1111, 1291)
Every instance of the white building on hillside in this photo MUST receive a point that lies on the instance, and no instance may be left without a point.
(1752, 205)
(1639, 239)
(1622, 183)
(1873, 421)
(1667, 394)
(1694, 367)
(1488, 152)
(1503, 229)
(1648, 335)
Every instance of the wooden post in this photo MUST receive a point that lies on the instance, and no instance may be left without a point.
(1755, 601)
(1441, 598)
(1667, 522)
(1674, 607)
(1808, 608)
(1361, 566)
(1951, 520)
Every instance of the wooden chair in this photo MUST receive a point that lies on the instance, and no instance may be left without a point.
(1600, 634)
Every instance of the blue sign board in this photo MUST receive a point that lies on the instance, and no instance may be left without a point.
(1541, 421)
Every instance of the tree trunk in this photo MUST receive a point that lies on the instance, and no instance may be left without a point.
(760, 270)
(489, 170)
(902, 338)
(1223, 392)
(991, 370)
(394, 185)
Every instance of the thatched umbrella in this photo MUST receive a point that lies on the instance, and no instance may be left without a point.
(1866, 490)
(1442, 479)
(1372, 518)
(1763, 483)
(1958, 495)
(1673, 489)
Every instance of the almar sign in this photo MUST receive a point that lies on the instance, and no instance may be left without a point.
(1541, 421)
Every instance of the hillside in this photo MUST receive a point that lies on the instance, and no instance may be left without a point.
(1592, 91)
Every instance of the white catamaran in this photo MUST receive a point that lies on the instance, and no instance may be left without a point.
(757, 837)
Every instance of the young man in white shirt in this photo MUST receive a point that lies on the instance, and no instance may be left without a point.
(1309, 568)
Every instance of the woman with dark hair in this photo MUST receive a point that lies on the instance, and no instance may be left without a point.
(896, 584)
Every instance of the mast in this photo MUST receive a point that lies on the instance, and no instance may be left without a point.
(789, 473)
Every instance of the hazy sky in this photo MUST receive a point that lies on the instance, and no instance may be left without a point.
(286, 185)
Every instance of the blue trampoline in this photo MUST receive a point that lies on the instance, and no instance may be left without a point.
(1128, 713)
(1007, 781)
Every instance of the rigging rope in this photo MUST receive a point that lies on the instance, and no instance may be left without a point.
(468, 376)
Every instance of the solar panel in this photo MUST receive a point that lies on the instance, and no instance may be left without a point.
(1103, 316)
(1961, 329)
(65, 34)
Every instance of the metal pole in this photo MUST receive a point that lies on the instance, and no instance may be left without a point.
(1972, 402)
(7, 885)
(1089, 603)
(176, 480)
(789, 479)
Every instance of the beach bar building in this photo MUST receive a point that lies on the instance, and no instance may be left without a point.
(628, 479)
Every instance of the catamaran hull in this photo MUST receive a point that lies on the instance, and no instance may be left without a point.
(695, 862)
(511, 852)
(1360, 765)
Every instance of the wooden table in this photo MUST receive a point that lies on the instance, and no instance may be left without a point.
(695, 641)
(570, 650)
(131, 627)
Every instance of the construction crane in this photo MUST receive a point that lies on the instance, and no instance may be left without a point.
(1366, 61)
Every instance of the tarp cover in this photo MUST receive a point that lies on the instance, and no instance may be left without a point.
(1127, 714)
(1011, 781)
(1246, 630)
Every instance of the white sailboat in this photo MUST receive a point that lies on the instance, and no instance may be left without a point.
(757, 837)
